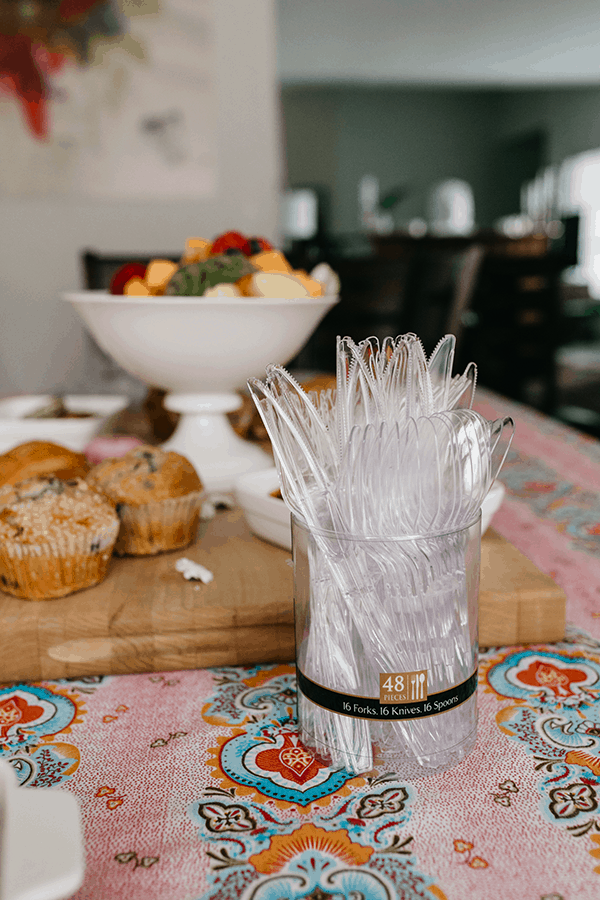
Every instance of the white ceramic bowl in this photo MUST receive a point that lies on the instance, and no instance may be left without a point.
(72, 433)
(268, 517)
(198, 344)
(202, 350)
(41, 842)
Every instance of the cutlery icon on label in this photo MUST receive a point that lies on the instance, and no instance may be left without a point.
(413, 682)
(420, 691)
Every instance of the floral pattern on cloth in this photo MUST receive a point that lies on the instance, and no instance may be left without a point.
(551, 512)
(492, 405)
(265, 757)
(31, 718)
(262, 691)
(555, 715)
(280, 824)
(553, 469)
(572, 509)
(198, 789)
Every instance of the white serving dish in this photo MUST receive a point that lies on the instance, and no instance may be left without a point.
(41, 843)
(72, 433)
(268, 517)
(191, 345)
(202, 350)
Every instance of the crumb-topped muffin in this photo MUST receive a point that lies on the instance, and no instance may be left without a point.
(158, 495)
(56, 537)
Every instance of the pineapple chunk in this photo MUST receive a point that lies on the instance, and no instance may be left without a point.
(314, 287)
(271, 261)
(158, 274)
(244, 285)
(136, 287)
(196, 250)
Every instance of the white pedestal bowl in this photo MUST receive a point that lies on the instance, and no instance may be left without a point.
(202, 351)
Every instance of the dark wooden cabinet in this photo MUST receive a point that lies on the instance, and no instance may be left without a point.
(514, 327)
(500, 297)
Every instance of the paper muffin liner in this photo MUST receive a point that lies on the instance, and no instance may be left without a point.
(56, 568)
(155, 527)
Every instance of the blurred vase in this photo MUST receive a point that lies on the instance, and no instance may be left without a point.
(451, 208)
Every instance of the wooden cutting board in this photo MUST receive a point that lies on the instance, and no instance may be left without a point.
(145, 617)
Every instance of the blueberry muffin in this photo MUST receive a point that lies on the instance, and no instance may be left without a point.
(36, 458)
(158, 495)
(56, 537)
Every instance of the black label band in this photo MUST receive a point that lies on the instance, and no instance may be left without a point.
(372, 708)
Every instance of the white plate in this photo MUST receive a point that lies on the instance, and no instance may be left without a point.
(15, 429)
(41, 844)
(269, 518)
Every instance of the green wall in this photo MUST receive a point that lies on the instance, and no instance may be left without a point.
(569, 116)
(412, 137)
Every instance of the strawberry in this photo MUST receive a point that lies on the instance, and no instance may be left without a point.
(230, 240)
(258, 245)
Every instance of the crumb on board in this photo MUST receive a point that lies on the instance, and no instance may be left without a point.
(193, 571)
(214, 502)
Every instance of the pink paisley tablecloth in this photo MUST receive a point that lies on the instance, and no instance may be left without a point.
(192, 784)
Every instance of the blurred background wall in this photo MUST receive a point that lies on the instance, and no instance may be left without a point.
(407, 137)
(410, 137)
(284, 93)
(46, 221)
(416, 92)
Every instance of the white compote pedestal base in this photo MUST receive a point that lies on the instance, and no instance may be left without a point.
(204, 435)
